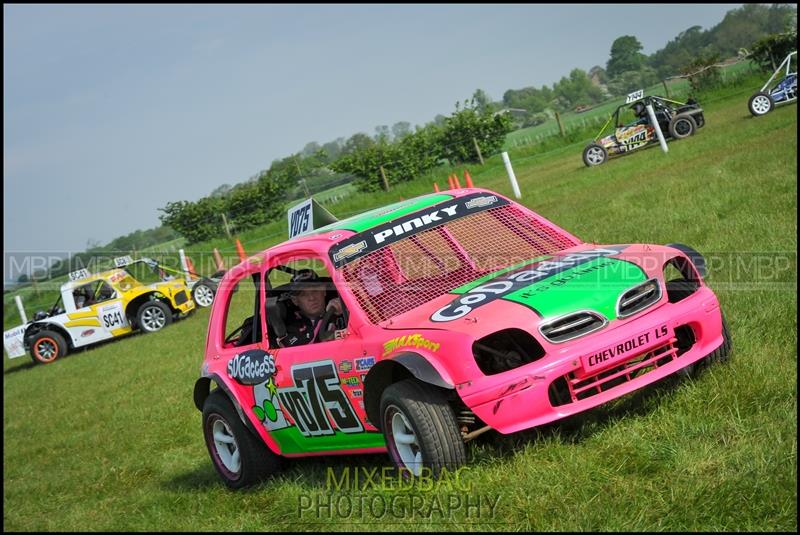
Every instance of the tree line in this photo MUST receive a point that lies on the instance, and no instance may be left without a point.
(628, 69)
(402, 152)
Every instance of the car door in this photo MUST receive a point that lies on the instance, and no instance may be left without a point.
(109, 306)
(84, 322)
(319, 385)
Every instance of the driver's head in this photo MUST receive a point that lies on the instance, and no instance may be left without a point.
(638, 109)
(308, 293)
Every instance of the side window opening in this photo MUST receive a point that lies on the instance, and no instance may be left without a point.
(104, 292)
(84, 296)
(299, 305)
(243, 321)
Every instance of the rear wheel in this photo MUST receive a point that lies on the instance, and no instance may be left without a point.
(594, 154)
(682, 126)
(239, 457)
(760, 104)
(47, 346)
(420, 428)
(203, 293)
(721, 354)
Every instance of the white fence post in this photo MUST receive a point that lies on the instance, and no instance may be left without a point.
(22, 315)
(511, 176)
(657, 127)
(184, 265)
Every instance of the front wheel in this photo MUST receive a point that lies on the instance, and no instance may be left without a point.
(240, 458)
(682, 126)
(420, 428)
(760, 104)
(153, 316)
(594, 154)
(47, 346)
(723, 353)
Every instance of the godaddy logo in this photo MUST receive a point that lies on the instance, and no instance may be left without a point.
(411, 340)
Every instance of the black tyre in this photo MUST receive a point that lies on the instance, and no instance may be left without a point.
(153, 316)
(47, 346)
(760, 104)
(682, 126)
(723, 353)
(420, 428)
(203, 293)
(239, 457)
(700, 119)
(594, 154)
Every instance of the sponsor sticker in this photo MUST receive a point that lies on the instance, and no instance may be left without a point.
(13, 342)
(351, 381)
(412, 340)
(410, 224)
(627, 348)
(357, 393)
(364, 364)
(514, 280)
(349, 250)
(345, 366)
(480, 202)
(251, 367)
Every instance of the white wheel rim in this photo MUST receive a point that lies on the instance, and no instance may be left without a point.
(226, 447)
(595, 155)
(203, 295)
(761, 104)
(153, 319)
(405, 441)
(46, 349)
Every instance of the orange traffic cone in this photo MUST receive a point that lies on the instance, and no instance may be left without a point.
(218, 260)
(191, 269)
(456, 182)
(240, 250)
(468, 179)
(436, 187)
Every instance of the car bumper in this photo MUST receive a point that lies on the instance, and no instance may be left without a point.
(577, 378)
(186, 307)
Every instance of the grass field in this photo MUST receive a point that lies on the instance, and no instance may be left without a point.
(109, 439)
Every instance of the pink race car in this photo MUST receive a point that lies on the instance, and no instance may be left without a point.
(458, 313)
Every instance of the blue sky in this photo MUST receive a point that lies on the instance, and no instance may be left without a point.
(112, 111)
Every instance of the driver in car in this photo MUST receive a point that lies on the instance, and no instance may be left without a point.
(305, 324)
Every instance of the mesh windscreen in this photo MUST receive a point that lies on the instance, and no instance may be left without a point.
(401, 276)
